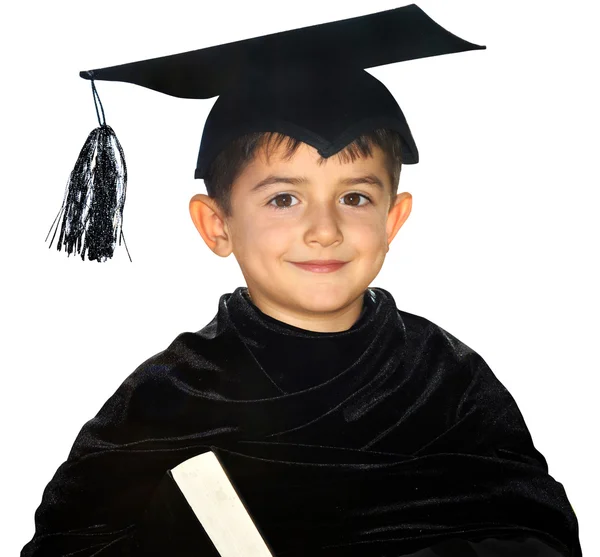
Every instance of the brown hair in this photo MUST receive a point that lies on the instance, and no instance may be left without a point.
(232, 160)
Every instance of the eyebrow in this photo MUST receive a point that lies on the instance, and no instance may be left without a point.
(300, 180)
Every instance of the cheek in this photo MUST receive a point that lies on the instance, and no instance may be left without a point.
(272, 237)
(371, 237)
(273, 232)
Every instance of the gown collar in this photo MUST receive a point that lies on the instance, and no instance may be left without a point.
(296, 359)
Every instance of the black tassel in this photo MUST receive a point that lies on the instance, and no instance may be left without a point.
(91, 216)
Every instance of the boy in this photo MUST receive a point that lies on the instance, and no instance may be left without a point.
(263, 227)
(361, 429)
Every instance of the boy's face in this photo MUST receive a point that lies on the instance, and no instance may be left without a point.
(310, 212)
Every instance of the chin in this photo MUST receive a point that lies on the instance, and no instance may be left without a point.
(324, 297)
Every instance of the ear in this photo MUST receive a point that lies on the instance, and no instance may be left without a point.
(398, 214)
(211, 224)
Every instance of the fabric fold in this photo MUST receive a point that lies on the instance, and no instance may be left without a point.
(396, 438)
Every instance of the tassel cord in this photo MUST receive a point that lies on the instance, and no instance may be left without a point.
(97, 102)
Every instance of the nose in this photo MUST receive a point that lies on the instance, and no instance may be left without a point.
(323, 224)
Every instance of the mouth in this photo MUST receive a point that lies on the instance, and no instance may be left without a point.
(322, 266)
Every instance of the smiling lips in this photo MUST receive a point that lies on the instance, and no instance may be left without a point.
(320, 266)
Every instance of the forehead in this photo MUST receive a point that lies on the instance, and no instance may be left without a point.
(271, 158)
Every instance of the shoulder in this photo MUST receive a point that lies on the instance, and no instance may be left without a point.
(425, 343)
(186, 352)
(437, 352)
(466, 383)
(425, 336)
(157, 394)
(440, 353)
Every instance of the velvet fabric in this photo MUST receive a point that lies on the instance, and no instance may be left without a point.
(391, 438)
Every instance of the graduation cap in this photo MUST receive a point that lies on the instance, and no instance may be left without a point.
(308, 83)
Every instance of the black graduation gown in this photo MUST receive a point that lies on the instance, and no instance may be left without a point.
(391, 438)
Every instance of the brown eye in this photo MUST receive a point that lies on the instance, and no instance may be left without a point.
(284, 197)
(355, 199)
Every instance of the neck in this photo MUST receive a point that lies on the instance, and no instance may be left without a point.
(338, 320)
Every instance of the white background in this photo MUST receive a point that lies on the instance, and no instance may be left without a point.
(500, 250)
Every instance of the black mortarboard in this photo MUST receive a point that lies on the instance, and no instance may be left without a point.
(308, 83)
